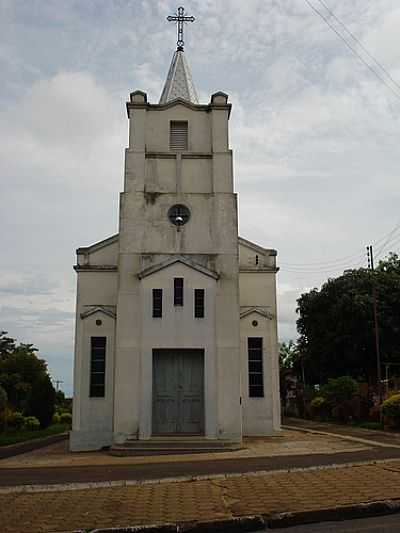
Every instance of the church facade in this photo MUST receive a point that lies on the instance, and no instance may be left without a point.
(176, 319)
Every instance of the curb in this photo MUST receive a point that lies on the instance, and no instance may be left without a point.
(361, 440)
(348, 512)
(259, 523)
(231, 525)
(61, 487)
(30, 445)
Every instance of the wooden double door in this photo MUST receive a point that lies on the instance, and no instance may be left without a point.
(178, 391)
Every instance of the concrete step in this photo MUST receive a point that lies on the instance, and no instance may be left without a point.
(173, 445)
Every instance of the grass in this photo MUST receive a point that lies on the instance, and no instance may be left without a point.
(15, 436)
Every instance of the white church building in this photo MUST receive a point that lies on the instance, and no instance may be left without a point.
(176, 319)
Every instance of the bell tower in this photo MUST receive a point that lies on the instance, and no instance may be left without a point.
(178, 211)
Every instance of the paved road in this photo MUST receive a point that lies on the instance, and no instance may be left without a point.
(379, 524)
(84, 474)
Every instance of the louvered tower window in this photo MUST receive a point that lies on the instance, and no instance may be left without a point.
(178, 136)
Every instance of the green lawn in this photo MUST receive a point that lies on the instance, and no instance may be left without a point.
(14, 436)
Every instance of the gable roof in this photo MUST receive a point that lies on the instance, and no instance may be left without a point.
(179, 259)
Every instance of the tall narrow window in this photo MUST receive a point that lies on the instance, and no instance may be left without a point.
(157, 303)
(199, 303)
(97, 367)
(256, 373)
(178, 291)
(178, 135)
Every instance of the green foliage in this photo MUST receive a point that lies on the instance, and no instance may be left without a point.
(318, 402)
(339, 390)
(66, 418)
(15, 419)
(13, 436)
(391, 408)
(336, 323)
(20, 368)
(31, 423)
(3, 399)
(288, 354)
(41, 402)
(56, 419)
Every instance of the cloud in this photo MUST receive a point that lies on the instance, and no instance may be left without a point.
(314, 134)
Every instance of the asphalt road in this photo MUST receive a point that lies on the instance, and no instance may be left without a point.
(379, 524)
(85, 474)
(98, 473)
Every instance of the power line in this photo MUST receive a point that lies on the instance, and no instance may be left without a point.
(392, 243)
(326, 20)
(343, 261)
(360, 44)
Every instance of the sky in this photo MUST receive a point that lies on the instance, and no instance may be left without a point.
(313, 129)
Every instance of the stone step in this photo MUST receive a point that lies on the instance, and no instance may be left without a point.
(179, 445)
(173, 445)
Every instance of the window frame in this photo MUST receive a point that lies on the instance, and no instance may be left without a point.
(175, 146)
(199, 307)
(98, 354)
(178, 292)
(255, 357)
(157, 303)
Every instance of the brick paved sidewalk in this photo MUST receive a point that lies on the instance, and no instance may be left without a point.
(219, 498)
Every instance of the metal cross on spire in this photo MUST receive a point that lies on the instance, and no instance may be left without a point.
(180, 18)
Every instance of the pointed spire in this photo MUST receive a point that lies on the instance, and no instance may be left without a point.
(179, 82)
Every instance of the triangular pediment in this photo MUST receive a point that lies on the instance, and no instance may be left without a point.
(105, 309)
(255, 247)
(179, 259)
(258, 311)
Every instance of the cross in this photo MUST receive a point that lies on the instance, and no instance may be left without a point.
(180, 18)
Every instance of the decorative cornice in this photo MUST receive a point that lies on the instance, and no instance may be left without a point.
(95, 268)
(98, 245)
(259, 310)
(261, 270)
(256, 247)
(108, 310)
(180, 259)
(178, 101)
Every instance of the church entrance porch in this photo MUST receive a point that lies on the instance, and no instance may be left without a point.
(178, 391)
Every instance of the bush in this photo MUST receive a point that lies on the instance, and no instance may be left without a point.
(15, 419)
(3, 399)
(31, 423)
(340, 389)
(66, 418)
(319, 407)
(56, 418)
(42, 401)
(391, 410)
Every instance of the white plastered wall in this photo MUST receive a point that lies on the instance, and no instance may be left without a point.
(261, 416)
(178, 328)
(93, 417)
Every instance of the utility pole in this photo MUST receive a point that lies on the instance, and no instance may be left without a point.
(370, 255)
(58, 383)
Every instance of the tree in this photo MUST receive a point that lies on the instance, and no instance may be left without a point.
(336, 323)
(42, 400)
(3, 399)
(288, 354)
(19, 369)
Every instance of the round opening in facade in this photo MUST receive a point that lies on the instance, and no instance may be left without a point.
(179, 214)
